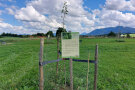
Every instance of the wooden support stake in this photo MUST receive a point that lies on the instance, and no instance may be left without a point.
(96, 68)
(58, 56)
(41, 83)
(71, 74)
(88, 70)
(65, 71)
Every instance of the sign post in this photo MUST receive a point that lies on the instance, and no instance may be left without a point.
(71, 73)
(41, 83)
(70, 49)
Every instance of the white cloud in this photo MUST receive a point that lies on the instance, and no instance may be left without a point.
(120, 5)
(133, 2)
(8, 28)
(5, 25)
(114, 17)
(10, 11)
(29, 14)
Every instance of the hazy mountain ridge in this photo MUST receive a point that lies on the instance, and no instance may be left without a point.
(117, 29)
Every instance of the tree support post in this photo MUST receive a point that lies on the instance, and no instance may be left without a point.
(58, 56)
(41, 76)
(71, 73)
(96, 68)
(88, 71)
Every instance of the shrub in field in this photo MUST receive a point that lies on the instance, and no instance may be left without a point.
(49, 33)
(59, 31)
(128, 35)
(0, 36)
(111, 34)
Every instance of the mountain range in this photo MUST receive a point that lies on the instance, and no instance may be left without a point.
(117, 29)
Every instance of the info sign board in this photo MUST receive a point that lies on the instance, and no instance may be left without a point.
(70, 44)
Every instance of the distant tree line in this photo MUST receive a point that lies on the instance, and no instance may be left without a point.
(10, 35)
(48, 34)
(112, 34)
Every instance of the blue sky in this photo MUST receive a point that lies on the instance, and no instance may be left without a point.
(94, 4)
(32, 16)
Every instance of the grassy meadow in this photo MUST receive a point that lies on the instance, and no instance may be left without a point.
(131, 35)
(19, 60)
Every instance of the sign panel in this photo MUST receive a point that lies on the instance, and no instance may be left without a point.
(70, 44)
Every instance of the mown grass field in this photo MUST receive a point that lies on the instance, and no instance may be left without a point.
(131, 35)
(19, 65)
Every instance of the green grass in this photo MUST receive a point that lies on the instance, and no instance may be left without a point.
(19, 65)
(132, 35)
